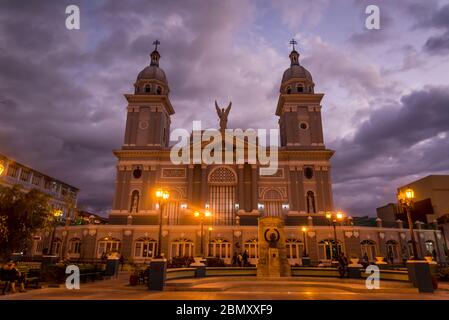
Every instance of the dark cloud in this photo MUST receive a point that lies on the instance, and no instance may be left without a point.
(397, 142)
(433, 17)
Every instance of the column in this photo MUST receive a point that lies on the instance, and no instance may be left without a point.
(125, 189)
(319, 189)
(151, 186)
(319, 125)
(254, 186)
(146, 192)
(240, 187)
(293, 192)
(300, 189)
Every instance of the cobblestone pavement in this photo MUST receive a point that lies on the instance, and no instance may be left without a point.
(233, 288)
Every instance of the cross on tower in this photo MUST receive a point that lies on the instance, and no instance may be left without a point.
(293, 42)
(156, 43)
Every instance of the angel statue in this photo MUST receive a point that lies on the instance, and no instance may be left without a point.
(223, 115)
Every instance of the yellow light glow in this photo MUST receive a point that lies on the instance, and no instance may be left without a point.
(207, 213)
(57, 213)
(165, 195)
(2, 168)
(328, 215)
(304, 229)
(196, 214)
(210, 228)
(159, 193)
(340, 215)
(409, 194)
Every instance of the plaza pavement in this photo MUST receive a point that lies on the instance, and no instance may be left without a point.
(235, 288)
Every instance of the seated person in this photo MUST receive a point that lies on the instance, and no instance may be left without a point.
(11, 275)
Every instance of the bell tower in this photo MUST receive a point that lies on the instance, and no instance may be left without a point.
(149, 108)
(299, 108)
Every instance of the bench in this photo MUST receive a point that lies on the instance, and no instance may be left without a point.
(32, 275)
(90, 272)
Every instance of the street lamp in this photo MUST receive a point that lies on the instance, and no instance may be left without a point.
(202, 215)
(162, 197)
(304, 253)
(406, 200)
(333, 218)
(57, 213)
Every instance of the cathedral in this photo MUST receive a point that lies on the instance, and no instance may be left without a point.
(235, 194)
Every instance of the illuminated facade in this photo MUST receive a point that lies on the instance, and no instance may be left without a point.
(236, 194)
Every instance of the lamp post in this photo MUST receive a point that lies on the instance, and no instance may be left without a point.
(57, 213)
(202, 215)
(333, 218)
(162, 197)
(406, 200)
(304, 252)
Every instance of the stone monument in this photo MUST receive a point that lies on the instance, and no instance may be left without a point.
(272, 251)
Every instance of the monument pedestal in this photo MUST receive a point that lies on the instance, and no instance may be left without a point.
(273, 260)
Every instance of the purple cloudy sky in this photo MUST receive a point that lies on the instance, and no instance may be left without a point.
(385, 111)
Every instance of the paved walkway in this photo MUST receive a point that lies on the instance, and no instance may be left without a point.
(233, 288)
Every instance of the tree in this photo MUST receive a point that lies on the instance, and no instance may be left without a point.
(21, 215)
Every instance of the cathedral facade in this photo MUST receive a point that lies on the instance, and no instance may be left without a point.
(235, 194)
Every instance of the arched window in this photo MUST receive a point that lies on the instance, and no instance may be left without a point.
(327, 249)
(108, 245)
(251, 247)
(182, 248)
(159, 90)
(222, 182)
(145, 248)
(289, 90)
(75, 246)
(295, 248)
(56, 247)
(135, 198)
(219, 248)
(147, 88)
(368, 247)
(393, 249)
(310, 201)
(272, 203)
(300, 88)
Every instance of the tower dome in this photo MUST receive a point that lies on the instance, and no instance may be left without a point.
(296, 79)
(152, 79)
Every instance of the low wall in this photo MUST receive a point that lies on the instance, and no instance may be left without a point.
(178, 273)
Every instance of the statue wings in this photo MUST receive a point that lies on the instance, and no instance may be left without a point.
(226, 112)
(218, 109)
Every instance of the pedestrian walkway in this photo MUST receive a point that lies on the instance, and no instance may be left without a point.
(234, 288)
